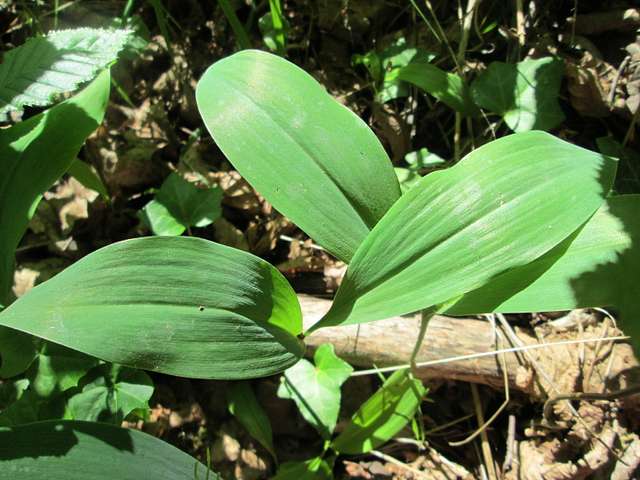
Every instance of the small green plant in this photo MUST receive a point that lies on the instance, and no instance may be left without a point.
(523, 223)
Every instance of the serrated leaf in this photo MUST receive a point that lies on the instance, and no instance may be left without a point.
(111, 393)
(245, 407)
(503, 206)
(314, 160)
(34, 73)
(447, 87)
(525, 94)
(178, 305)
(383, 415)
(47, 143)
(592, 268)
(314, 469)
(74, 450)
(179, 205)
(316, 389)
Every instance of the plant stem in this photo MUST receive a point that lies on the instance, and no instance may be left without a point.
(241, 35)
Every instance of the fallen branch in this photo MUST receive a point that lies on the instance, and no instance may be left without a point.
(390, 342)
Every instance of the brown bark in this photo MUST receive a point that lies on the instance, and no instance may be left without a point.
(390, 342)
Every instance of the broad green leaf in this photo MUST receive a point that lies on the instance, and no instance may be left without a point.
(74, 450)
(45, 67)
(87, 176)
(48, 144)
(313, 159)
(596, 266)
(57, 369)
(111, 393)
(245, 407)
(178, 305)
(316, 389)
(314, 469)
(503, 206)
(525, 94)
(447, 87)
(179, 204)
(17, 351)
(383, 415)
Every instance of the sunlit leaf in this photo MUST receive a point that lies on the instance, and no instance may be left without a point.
(383, 415)
(525, 94)
(314, 469)
(447, 87)
(316, 389)
(595, 267)
(34, 73)
(178, 305)
(503, 206)
(179, 204)
(313, 159)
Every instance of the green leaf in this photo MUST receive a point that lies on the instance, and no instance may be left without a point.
(383, 415)
(17, 351)
(87, 176)
(313, 159)
(178, 305)
(44, 67)
(525, 94)
(74, 450)
(47, 144)
(385, 66)
(314, 469)
(501, 207)
(447, 87)
(316, 389)
(407, 178)
(57, 369)
(25, 409)
(592, 268)
(423, 158)
(112, 394)
(179, 205)
(244, 405)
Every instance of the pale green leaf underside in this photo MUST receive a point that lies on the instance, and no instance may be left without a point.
(313, 159)
(34, 73)
(383, 415)
(74, 450)
(595, 267)
(525, 94)
(504, 205)
(178, 305)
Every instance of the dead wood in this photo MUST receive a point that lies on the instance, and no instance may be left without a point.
(390, 342)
